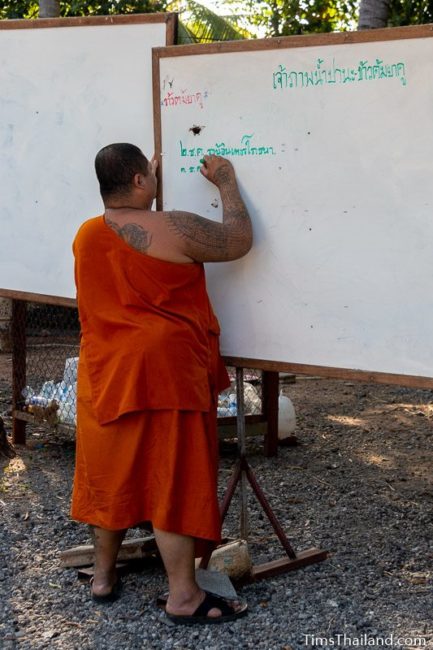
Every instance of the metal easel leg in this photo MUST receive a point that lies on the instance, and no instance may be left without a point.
(243, 473)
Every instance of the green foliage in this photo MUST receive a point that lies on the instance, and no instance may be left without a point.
(109, 7)
(410, 12)
(30, 8)
(200, 25)
(274, 17)
(184, 35)
(286, 17)
(19, 9)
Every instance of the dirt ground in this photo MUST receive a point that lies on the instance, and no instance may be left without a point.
(358, 484)
(384, 427)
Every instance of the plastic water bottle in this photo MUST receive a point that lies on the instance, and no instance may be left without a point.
(27, 393)
(67, 412)
(286, 416)
(62, 391)
(233, 407)
(48, 389)
(38, 400)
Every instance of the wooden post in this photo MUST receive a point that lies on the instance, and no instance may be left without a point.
(5, 325)
(19, 353)
(270, 385)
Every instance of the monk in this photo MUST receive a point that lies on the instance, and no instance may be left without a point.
(149, 375)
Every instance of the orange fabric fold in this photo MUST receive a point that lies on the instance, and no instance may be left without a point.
(148, 329)
(156, 465)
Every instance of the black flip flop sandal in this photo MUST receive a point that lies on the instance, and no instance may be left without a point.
(200, 616)
(161, 601)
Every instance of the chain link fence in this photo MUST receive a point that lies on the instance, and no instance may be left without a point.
(46, 350)
(47, 377)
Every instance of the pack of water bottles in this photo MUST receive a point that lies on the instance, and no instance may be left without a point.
(227, 401)
(227, 404)
(62, 395)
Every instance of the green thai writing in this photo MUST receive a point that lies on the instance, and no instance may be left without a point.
(331, 74)
(190, 170)
(246, 148)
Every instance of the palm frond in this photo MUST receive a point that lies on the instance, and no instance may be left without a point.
(205, 25)
(184, 35)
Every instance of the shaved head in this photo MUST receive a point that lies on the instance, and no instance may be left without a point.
(116, 165)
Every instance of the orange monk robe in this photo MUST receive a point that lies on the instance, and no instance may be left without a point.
(148, 379)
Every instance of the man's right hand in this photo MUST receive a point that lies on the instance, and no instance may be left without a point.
(217, 170)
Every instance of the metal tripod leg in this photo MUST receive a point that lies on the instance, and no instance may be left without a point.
(242, 473)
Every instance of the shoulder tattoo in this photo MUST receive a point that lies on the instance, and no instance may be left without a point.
(133, 234)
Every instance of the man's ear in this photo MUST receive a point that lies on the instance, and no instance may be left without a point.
(140, 181)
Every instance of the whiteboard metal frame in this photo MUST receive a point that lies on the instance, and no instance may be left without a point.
(341, 38)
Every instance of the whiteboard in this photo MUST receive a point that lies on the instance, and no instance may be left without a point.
(332, 143)
(67, 88)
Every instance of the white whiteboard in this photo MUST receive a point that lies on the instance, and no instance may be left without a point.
(336, 166)
(65, 92)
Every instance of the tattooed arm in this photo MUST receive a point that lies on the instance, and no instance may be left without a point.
(204, 240)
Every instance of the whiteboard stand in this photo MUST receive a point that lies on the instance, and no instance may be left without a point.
(243, 473)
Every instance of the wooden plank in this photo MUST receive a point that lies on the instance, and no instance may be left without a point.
(38, 297)
(283, 565)
(254, 427)
(333, 373)
(85, 21)
(31, 418)
(305, 40)
(250, 419)
(251, 429)
(156, 85)
(270, 388)
(172, 27)
(131, 549)
(18, 329)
